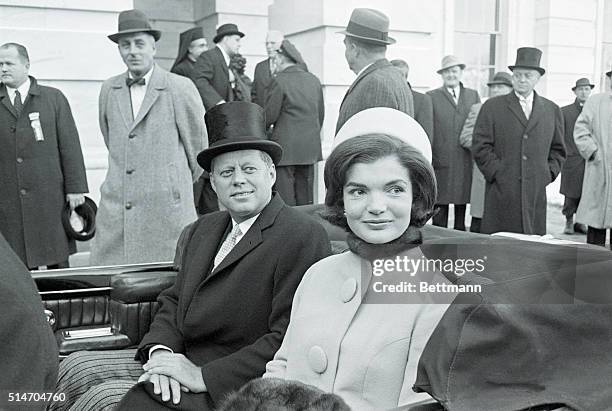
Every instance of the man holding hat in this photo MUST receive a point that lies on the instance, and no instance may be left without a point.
(227, 313)
(499, 86)
(572, 172)
(192, 43)
(452, 163)
(212, 74)
(152, 122)
(378, 83)
(518, 146)
(294, 107)
(592, 135)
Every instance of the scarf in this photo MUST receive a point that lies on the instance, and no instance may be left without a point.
(411, 238)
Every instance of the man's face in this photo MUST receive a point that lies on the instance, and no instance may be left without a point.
(13, 68)
(524, 80)
(137, 51)
(452, 76)
(243, 182)
(197, 47)
(273, 42)
(582, 93)
(350, 53)
(499, 90)
(231, 44)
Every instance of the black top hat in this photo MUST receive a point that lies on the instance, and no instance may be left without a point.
(185, 40)
(87, 211)
(369, 25)
(528, 57)
(238, 125)
(501, 78)
(134, 21)
(288, 49)
(583, 82)
(227, 30)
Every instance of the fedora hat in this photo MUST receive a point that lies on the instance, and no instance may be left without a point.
(528, 57)
(370, 26)
(583, 82)
(385, 120)
(450, 61)
(134, 21)
(84, 227)
(226, 30)
(501, 77)
(237, 125)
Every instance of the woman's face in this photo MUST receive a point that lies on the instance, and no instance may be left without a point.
(378, 200)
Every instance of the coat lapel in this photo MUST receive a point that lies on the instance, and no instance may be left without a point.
(123, 100)
(515, 108)
(158, 82)
(6, 101)
(449, 96)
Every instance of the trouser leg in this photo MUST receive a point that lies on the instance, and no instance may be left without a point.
(460, 217)
(475, 224)
(285, 184)
(441, 218)
(304, 176)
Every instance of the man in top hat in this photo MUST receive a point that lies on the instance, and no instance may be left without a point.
(212, 74)
(192, 43)
(452, 163)
(266, 69)
(592, 135)
(152, 122)
(294, 107)
(500, 85)
(41, 164)
(227, 313)
(572, 172)
(378, 83)
(518, 146)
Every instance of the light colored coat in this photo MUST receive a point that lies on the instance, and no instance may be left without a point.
(477, 193)
(365, 353)
(593, 133)
(147, 196)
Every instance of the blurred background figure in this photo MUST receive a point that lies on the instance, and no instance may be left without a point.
(192, 43)
(242, 87)
(265, 69)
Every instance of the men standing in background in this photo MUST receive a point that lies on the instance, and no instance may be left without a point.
(592, 135)
(572, 172)
(41, 164)
(452, 163)
(294, 107)
(152, 122)
(192, 43)
(265, 70)
(378, 83)
(423, 107)
(518, 146)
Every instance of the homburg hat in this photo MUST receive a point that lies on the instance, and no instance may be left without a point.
(87, 213)
(450, 61)
(134, 21)
(227, 30)
(370, 26)
(501, 78)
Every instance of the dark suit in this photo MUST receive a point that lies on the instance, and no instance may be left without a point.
(423, 112)
(294, 105)
(261, 80)
(35, 176)
(518, 158)
(379, 85)
(212, 78)
(572, 172)
(185, 68)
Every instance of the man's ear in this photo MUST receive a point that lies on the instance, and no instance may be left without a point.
(273, 173)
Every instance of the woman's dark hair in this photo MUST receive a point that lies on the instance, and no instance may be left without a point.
(367, 149)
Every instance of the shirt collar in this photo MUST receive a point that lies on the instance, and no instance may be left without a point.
(457, 89)
(226, 57)
(245, 225)
(147, 76)
(528, 99)
(24, 89)
(364, 69)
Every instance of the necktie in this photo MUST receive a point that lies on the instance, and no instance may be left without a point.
(525, 107)
(131, 81)
(227, 245)
(18, 103)
(454, 95)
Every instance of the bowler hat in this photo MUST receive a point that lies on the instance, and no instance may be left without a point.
(501, 78)
(450, 61)
(528, 57)
(288, 49)
(583, 82)
(134, 21)
(226, 30)
(237, 125)
(87, 212)
(370, 26)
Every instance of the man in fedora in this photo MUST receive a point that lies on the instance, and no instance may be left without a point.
(378, 83)
(294, 107)
(500, 85)
(452, 163)
(41, 161)
(192, 43)
(152, 122)
(592, 134)
(572, 172)
(227, 313)
(265, 70)
(518, 146)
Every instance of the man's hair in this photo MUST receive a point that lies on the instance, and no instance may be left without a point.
(400, 63)
(265, 157)
(21, 50)
(368, 48)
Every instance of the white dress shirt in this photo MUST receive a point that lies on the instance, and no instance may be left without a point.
(24, 89)
(226, 57)
(137, 92)
(457, 90)
(526, 103)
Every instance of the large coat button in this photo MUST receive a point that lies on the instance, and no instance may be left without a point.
(317, 359)
(348, 290)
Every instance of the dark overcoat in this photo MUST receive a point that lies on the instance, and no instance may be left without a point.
(36, 176)
(379, 85)
(232, 321)
(212, 78)
(185, 68)
(423, 112)
(294, 105)
(518, 158)
(572, 172)
(261, 80)
(452, 162)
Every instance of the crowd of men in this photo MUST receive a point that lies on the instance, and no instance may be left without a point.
(498, 156)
